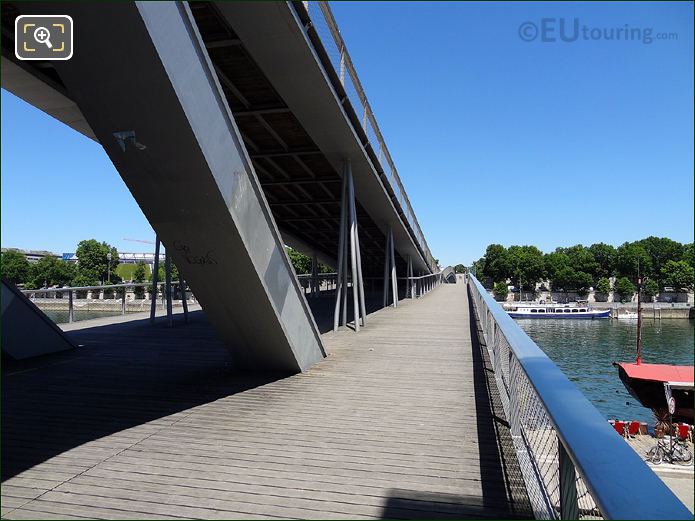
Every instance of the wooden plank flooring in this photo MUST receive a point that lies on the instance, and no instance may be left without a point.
(402, 420)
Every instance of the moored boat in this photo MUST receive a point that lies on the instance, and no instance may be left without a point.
(556, 311)
(651, 383)
(645, 383)
(627, 315)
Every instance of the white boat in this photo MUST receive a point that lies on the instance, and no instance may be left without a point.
(532, 310)
(627, 315)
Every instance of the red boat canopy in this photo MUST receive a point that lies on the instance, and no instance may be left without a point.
(659, 372)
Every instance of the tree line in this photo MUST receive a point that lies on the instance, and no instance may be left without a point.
(659, 261)
(96, 266)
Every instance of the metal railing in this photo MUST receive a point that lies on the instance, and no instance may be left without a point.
(110, 299)
(416, 287)
(347, 85)
(573, 463)
(313, 285)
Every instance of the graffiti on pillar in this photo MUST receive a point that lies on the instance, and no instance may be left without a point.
(194, 258)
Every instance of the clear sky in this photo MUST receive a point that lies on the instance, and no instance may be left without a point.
(497, 139)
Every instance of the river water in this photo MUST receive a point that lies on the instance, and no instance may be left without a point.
(585, 350)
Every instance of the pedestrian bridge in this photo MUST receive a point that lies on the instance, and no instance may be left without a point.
(238, 128)
(424, 414)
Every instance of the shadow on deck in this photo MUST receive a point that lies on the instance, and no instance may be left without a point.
(155, 421)
(124, 375)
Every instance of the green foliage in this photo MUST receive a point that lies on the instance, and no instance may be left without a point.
(526, 265)
(581, 260)
(689, 254)
(126, 271)
(678, 275)
(577, 267)
(300, 262)
(84, 279)
(660, 250)
(630, 257)
(603, 286)
(139, 274)
(93, 261)
(624, 288)
(460, 268)
(650, 288)
(14, 266)
(500, 290)
(604, 255)
(554, 263)
(568, 279)
(49, 271)
(582, 283)
(108, 292)
(161, 273)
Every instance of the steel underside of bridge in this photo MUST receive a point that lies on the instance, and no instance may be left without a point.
(231, 111)
(300, 179)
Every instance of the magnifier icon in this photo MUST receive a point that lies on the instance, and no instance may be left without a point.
(43, 35)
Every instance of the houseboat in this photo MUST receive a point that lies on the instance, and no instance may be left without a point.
(532, 310)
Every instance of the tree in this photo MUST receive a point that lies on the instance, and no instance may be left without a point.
(624, 288)
(678, 275)
(300, 262)
(84, 279)
(459, 268)
(582, 260)
(93, 260)
(139, 275)
(630, 257)
(650, 288)
(161, 273)
(494, 263)
(553, 263)
(500, 290)
(14, 266)
(525, 265)
(567, 279)
(49, 271)
(564, 279)
(604, 255)
(602, 289)
(689, 254)
(582, 283)
(660, 251)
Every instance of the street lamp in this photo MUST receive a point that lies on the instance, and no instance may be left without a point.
(108, 272)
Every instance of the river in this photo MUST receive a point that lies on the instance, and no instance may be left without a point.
(585, 350)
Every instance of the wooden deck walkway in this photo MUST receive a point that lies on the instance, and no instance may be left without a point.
(400, 421)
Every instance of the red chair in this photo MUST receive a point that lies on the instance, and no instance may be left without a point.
(619, 427)
(633, 428)
(682, 430)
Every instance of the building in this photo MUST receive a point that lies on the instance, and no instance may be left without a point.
(34, 255)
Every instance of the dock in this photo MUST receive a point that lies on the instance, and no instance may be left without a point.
(154, 422)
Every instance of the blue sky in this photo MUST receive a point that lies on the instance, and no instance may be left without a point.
(496, 139)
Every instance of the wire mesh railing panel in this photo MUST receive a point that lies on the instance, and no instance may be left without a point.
(533, 432)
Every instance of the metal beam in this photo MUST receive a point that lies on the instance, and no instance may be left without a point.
(286, 153)
(155, 277)
(301, 181)
(230, 85)
(295, 203)
(229, 42)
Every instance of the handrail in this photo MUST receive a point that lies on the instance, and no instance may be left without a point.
(618, 481)
(89, 288)
(347, 77)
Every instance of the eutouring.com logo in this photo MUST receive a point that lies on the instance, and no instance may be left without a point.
(569, 30)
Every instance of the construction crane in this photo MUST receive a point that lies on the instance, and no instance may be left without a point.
(138, 240)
